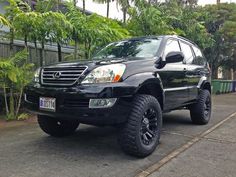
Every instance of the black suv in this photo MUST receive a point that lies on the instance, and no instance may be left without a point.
(129, 83)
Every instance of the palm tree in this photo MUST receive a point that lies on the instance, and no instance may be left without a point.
(108, 8)
(103, 2)
(74, 2)
(84, 6)
(125, 4)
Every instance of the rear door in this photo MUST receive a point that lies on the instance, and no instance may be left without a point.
(197, 72)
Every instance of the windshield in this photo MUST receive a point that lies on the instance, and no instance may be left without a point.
(140, 48)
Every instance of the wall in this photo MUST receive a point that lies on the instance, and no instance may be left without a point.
(50, 51)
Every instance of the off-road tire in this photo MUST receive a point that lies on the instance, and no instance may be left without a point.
(57, 127)
(198, 110)
(129, 137)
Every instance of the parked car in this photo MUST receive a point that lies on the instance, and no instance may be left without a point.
(129, 83)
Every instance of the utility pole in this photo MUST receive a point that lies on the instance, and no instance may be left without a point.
(217, 1)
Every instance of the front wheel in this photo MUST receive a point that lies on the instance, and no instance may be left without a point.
(57, 127)
(201, 111)
(140, 135)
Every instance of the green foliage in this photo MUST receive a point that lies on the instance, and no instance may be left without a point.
(99, 31)
(15, 74)
(26, 24)
(220, 23)
(4, 21)
(57, 28)
(93, 30)
(148, 20)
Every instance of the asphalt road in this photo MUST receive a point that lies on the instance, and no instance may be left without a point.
(25, 151)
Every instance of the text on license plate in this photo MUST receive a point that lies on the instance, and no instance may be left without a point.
(46, 103)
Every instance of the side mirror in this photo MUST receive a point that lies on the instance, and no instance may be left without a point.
(174, 57)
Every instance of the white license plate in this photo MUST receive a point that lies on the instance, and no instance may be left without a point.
(48, 104)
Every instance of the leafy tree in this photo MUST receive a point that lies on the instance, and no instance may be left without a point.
(228, 33)
(219, 20)
(93, 31)
(99, 31)
(77, 20)
(146, 19)
(26, 24)
(11, 11)
(15, 74)
(58, 28)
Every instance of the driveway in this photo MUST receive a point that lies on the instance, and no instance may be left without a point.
(25, 151)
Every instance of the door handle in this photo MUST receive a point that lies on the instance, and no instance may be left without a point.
(200, 72)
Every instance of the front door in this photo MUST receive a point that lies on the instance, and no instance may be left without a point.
(173, 79)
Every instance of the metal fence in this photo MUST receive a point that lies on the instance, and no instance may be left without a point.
(51, 55)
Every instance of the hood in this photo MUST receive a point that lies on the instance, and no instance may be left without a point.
(133, 65)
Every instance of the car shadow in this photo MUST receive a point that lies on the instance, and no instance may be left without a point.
(89, 142)
(177, 118)
(99, 142)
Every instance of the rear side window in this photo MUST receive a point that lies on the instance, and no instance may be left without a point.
(199, 58)
(172, 46)
(187, 51)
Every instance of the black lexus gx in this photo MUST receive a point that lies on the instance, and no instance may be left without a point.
(128, 84)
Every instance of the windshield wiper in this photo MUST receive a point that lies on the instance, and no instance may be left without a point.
(110, 60)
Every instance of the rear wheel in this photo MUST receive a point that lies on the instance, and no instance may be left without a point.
(57, 127)
(201, 111)
(140, 135)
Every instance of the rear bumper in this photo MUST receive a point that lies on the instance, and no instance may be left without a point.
(73, 102)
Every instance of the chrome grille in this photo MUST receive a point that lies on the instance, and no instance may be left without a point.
(61, 76)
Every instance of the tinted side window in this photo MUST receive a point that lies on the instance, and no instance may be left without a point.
(188, 54)
(172, 46)
(199, 58)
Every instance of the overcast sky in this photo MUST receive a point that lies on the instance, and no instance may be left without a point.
(116, 12)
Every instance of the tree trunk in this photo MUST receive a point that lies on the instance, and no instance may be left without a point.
(76, 48)
(42, 53)
(74, 2)
(58, 4)
(30, 4)
(89, 50)
(124, 15)
(36, 49)
(11, 41)
(83, 6)
(26, 42)
(19, 102)
(86, 50)
(12, 107)
(5, 99)
(108, 8)
(59, 52)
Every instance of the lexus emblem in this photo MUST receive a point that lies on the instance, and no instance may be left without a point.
(57, 75)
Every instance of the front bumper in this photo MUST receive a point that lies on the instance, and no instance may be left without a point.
(73, 102)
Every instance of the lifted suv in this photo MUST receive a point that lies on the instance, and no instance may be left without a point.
(129, 83)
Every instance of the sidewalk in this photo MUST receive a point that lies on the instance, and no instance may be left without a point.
(212, 156)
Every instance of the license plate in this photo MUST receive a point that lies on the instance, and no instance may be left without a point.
(48, 104)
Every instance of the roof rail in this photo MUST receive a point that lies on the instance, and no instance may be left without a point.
(183, 38)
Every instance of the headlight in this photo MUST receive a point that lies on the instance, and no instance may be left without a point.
(104, 74)
(37, 75)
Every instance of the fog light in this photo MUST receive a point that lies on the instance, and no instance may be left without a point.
(102, 103)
